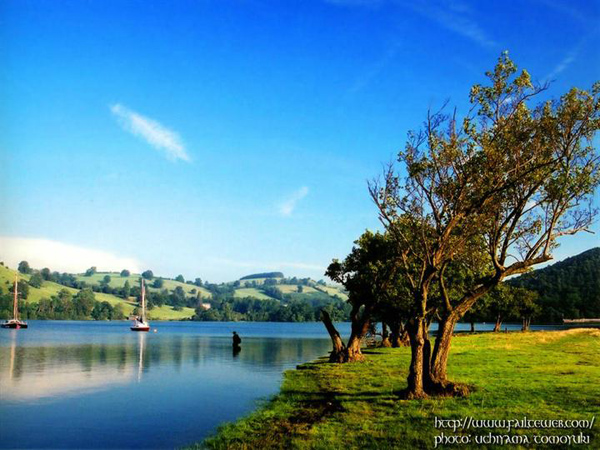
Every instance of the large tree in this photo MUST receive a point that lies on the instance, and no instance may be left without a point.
(506, 184)
(369, 275)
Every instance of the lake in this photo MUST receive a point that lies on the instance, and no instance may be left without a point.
(70, 384)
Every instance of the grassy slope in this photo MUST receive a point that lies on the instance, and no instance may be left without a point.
(332, 290)
(293, 288)
(542, 375)
(116, 280)
(286, 289)
(251, 292)
(49, 289)
(166, 312)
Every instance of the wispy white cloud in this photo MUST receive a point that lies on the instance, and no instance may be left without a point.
(153, 132)
(61, 257)
(568, 9)
(564, 64)
(287, 207)
(455, 16)
(571, 55)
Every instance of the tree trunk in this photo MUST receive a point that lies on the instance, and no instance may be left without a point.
(404, 338)
(441, 350)
(472, 327)
(360, 326)
(415, 328)
(395, 330)
(385, 337)
(498, 325)
(353, 352)
(338, 354)
(399, 335)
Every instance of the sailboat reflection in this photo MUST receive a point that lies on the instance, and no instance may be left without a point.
(142, 345)
(13, 352)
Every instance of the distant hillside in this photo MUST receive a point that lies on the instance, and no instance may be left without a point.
(49, 290)
(263, 275)
(178, 299)
(568, 289)
(118, 281)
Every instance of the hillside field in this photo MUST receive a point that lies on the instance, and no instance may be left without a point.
(49, 288)
(117, 281)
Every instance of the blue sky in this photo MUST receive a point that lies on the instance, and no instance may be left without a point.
(218, 138)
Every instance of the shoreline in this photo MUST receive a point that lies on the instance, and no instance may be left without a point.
(358, 405)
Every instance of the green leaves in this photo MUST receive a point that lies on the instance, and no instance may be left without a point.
(489, 198)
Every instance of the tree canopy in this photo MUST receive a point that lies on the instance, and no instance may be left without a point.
(485, 198)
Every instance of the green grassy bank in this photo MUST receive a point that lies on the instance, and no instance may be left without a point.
(541, 375)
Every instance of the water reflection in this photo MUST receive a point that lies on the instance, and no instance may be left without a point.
(142, 339)
(76, 380)
(29, 373)
(32, 372)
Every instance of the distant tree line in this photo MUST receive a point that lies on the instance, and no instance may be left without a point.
(252, 309)
(263, 275)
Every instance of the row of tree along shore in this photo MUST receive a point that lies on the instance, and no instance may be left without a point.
(471, 203)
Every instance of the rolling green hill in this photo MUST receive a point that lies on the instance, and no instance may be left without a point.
(162, 299)
(50, 289)
(254, 286)
(251, 292)
(117, 281)
(567, 289)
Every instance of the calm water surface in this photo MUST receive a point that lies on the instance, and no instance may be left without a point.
(98, 385)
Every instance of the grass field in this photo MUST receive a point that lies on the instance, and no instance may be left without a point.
(167, 312)
(541, 375)
(116, 280)
(251, 292)
(292, 288)
(48, 289)
(331, 290)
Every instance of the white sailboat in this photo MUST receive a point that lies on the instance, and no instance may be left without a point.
(15, 323)
(140, 323)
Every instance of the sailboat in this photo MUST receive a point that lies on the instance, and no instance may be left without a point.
(15, 323)
(139, 323)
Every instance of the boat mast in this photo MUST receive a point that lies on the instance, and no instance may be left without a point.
(143, 302)
(15, 302)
